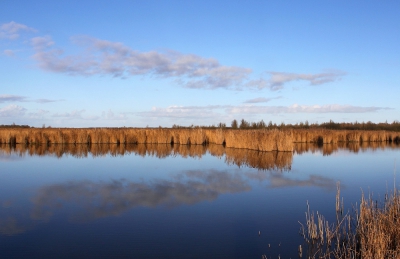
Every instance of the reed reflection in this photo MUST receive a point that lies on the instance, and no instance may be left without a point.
(354, 147)
(272, 160)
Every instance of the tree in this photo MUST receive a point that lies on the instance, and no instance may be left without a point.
(261, 124)
(234, 124)
(244, 124)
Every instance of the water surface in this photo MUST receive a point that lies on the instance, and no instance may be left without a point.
(163, 201)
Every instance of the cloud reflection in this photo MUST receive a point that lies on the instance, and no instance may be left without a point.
(102, 199)
(10, 227)
(279, 181)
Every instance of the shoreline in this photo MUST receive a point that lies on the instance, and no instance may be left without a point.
(254, 139)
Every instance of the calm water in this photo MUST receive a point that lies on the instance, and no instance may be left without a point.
(158, 201)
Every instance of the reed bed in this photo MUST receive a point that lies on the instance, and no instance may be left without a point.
(254, 139)
(372, 230)
(262, 140)
(322, 136)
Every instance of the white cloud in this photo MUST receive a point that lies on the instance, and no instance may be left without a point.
(41, 43)
(19, 98)
(262, 100)
(12, 110)
(38, 115)
(102, 57)
(11, 98)
(277, 80)
(116, 59)
(111, 116)
(12, 29)
(193, 112)
(47, 100)
(9, 52)
(76, 114)
(224, 111)
(295, 108)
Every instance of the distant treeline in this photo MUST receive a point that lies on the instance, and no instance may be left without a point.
(14, 126)
(243, 124)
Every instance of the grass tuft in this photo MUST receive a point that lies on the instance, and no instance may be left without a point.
(371, 230)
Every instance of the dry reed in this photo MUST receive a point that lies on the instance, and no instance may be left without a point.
(370, 231)
(262, 140)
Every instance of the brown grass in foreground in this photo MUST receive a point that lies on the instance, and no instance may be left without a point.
(370, 231)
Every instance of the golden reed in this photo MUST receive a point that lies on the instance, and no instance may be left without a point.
(260, 139)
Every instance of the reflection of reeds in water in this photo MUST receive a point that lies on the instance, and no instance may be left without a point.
(237, 156)
(261, 160)
(240, 157)
(355, 147)
(370, 231)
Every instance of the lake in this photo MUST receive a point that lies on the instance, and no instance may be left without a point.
(163, 201)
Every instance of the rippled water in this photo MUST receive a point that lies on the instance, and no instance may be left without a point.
(162, 201)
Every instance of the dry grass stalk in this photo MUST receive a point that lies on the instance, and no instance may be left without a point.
(371, 232)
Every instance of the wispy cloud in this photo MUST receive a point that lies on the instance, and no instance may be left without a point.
(19, 98)
(11, 98)
(295, 108)
(12, 110)
(116, 59)
(102, 57)
(9, 52)
(199, 113)
(215, 111)
(47, 100)
(262, 100)
(278, 80)
(12, 30)
(38, 115)
(75, 115)
(110, 115)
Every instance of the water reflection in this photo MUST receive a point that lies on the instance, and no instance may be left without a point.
(279, 181)
(88, 200)
(10, 226)
(240, 157)
(354, 147)
(104, 199)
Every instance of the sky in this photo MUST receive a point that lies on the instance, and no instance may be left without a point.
(158, 63)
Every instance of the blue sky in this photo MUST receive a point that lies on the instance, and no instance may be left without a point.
(151, 63)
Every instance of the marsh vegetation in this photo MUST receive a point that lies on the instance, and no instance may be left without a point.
(370, 230)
